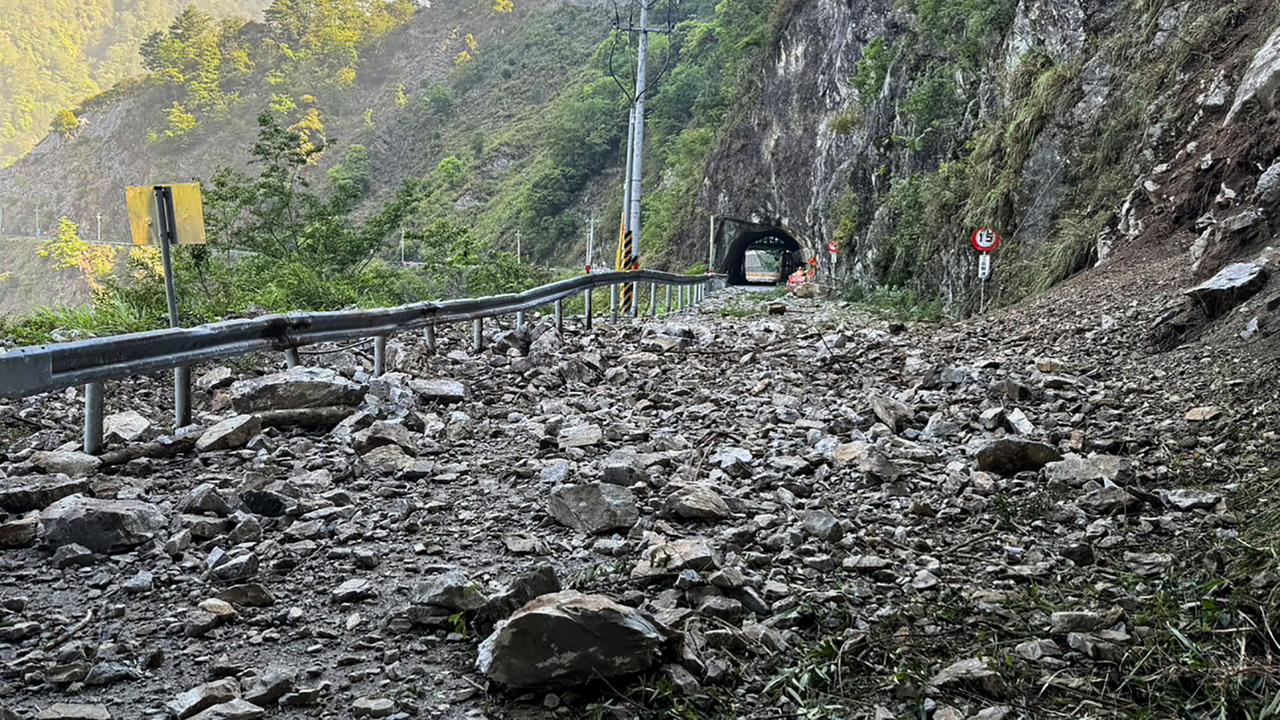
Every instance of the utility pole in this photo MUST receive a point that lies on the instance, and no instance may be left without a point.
(401, 246)
(37, 221)
(711, 246)
(519, 254)
(591, 241)
(637, 142)
(99, 228)
(626, 183)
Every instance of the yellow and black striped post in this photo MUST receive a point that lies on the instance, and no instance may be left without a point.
(626, 260)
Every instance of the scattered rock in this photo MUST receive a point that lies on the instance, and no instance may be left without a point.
(106, 526)
(568, 638)
(594, 509)
(1010, 456)
(234, 432)
(299, 387)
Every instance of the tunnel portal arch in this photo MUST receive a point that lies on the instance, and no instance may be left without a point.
(762, 256)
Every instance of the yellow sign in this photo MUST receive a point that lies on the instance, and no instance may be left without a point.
(188, 213)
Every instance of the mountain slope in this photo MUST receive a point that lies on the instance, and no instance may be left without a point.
(55, 53)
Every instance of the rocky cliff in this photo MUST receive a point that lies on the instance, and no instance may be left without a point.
(1080, 130)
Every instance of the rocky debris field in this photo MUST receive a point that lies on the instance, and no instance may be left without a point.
(768, 508)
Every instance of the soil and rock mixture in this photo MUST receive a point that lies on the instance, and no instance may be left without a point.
(766, 508)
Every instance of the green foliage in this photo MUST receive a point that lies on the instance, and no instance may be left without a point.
(872, 70)
(846, 215)
(66, 124)
(55, 54)
(451, 172)
(896, 303)
(352, 177)
(439, 99)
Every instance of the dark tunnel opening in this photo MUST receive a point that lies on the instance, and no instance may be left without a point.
(763, 257)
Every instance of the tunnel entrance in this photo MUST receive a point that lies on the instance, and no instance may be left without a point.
(763, 257)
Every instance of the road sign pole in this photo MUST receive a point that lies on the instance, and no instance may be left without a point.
(166, 224)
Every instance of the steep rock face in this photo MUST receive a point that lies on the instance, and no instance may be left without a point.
(782, 165)
(1051, 101)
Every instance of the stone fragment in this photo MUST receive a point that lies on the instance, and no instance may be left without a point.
(38, 492)
(1187, 500)
(354, 590)
(451, 591)
(567, 638)
(371, 707)
(1231, 286)
(74, 711)
(973, 674)
(106, 526)
(66, 462)
(697, 502)
(233, 710)
(125, 427)
(1009, 456)
(1110, 500)
(20, 532)
(670, 558)
(203, 696)
(229, 434)
(594, 509)
(299, 387)
(445, 391)
(576, 436)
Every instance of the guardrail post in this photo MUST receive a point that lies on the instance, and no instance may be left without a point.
(668, 290)
(613, 302)
(520, 320)
(634, 310)
(379, 355)
(653, 299)
(181, 396)
(587, 302)
(477, 335)
(93, 418)
(560, 315)
(430, 338)
(291, 358)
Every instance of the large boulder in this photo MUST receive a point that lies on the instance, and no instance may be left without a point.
(1009, 456)
(38, 492)
(1231, 286)
(232, 433)
(1261, 80)
(105, 526)
(66, 462)
(568, 638)
(299, 387)
(593, 509)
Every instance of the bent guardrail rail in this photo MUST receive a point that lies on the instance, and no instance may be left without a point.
(43, 368)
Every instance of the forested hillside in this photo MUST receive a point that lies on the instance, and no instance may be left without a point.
(55, 53)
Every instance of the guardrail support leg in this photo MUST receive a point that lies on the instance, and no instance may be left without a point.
(613, 302)
(520, 320)
(477, 336)
(634, 310)
(560, 315)
(653, 299)
(93, 418)
(379, 356)
(291, 358)
(668, 290)
(430, 338)
(181, 397)
(587, 302)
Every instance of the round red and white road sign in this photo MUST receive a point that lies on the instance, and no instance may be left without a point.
(833, 248)
(986, 240)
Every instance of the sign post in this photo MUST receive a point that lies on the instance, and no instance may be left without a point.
(986, 241)
(168, 215)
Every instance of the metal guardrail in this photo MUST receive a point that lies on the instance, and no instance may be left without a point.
(33, 370)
